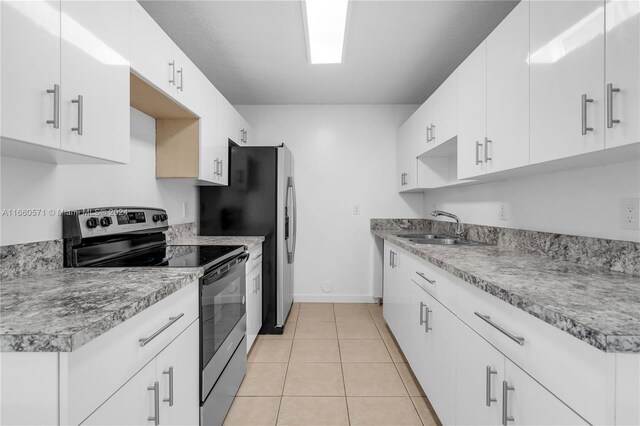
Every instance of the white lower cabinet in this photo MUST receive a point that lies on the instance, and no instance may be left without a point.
(254, 295)
(474, 374)
(165, 391)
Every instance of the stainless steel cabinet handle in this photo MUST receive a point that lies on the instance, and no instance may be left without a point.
(220, 165)
(169, 372)
(487, 141)
(172, 64)
(422, 306)
(259, 280)
(181, 79)
(427, 321)
(156, 404)
(80, 102)
(489, 400)
(391, 258)
(478, 160)
(425, 278)
(433, 132)
(215, 167)
(487, 319)
(610, 91)
(584, 102)
(505, 416)
(143, 341)
(428, 136)
(56, 106)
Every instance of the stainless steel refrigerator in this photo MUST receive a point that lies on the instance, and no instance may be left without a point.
(260, 200)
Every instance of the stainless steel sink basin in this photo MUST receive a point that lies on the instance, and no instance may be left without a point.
(433, 239)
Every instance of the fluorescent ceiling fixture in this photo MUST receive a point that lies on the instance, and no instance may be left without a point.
(326, 21)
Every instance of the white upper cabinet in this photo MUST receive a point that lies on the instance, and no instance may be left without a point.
(442, 115)
(472, 111)
(94, 93)
(567, 74)
(31, 71)
(411, 137)
(507, 139)
(189, 82)
(622, 71)
(152, 51)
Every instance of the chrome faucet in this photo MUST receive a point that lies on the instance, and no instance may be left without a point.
(459, 226)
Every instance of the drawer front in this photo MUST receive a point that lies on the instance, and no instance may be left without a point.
(99, 368)
(434, 281)
(255, 257)
(571, 369)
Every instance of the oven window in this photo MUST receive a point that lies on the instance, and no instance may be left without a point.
(222, 306)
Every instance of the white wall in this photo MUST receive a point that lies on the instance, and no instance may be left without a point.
(33, 185)
(584, 202)
(343, 155)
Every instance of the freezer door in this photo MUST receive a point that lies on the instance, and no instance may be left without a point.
(286, 233)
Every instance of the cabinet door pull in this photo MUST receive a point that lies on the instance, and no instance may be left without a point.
(433, 132)
(489, 400)
(423, 276)
(487, 141)
(505, 401)
(156, 403)
(259, 282)
(487, 319)
(220, 166)
(610, 91)
(584, 102)
(425, 320)
(172, 64)
(169, 372)
(478, 160)
(428, 137)
(143, 341)
(80, 102)
(56, 106)
(181, 80)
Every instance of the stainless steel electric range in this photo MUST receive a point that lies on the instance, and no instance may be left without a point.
(134, 237)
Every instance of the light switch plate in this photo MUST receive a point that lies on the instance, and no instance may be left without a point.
(356, 209)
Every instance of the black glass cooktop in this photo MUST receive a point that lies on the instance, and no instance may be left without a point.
(175, 256)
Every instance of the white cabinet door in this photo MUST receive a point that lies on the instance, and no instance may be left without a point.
(190, 83)
(443, 111)
(479, 376)
(152, 51)
(132, 404)
(406, 161)
(472, 104)
(30, 36)
(622, 68)
(94, 92)
(507, 144)
(257, 302)
(528, 403)
(251, 290)
(391, 309)
(178, 373)
(566, 66)
(208, 133)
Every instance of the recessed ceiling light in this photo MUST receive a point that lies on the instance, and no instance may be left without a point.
(326, 22)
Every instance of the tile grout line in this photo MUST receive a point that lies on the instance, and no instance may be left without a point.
(344, 384)
(286, 373)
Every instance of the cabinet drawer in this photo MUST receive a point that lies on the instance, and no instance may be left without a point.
(572, 370)
(98, 369)
(433, 280)
(255, 257)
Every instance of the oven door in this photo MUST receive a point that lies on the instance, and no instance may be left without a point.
(222, 318)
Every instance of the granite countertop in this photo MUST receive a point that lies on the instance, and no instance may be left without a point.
(199, 240)
(597, 306)
(62, 310)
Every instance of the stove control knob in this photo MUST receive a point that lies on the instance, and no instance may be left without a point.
(163, 217)
(105, 221)
(156, 217)
(92, 223)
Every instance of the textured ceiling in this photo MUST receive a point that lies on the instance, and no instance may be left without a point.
(397, 52)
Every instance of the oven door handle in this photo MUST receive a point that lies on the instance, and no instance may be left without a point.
(242, 259)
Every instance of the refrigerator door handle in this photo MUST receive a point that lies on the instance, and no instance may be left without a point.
(291, 208)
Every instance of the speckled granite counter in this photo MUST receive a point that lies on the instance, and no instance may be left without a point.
(248, 242)
(64, 309)
(595, 305)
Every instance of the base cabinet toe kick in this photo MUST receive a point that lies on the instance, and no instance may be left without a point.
(481, 360)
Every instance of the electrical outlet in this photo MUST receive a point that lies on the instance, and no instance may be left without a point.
(629, 213)
(356, 209)
(503, 212)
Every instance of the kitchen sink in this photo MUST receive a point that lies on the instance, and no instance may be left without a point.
(432, 239)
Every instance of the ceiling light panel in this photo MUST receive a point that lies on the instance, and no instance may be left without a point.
(326, 24)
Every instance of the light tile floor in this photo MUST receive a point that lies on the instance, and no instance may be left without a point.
(336, 364)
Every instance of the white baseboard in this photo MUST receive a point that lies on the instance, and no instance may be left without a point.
(333, 298)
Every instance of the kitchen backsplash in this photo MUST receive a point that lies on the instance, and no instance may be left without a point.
(615, 255)
(35, 258)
